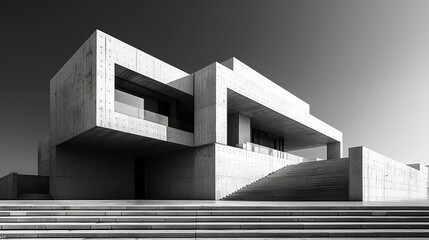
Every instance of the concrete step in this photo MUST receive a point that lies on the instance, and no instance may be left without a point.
(252, 233)
(11, 219)
(324, 180)
(30, 206)
(213, 225)
(219, 213)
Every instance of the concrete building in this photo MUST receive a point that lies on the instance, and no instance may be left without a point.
(126, 125)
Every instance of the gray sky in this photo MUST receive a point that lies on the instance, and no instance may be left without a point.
(363, 66)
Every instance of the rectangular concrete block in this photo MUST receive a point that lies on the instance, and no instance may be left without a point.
(355, 174)
(382, 178)
(73, 94)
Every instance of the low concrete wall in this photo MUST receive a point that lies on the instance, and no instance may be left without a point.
(13, 185)
(374, 177)
(8, 186)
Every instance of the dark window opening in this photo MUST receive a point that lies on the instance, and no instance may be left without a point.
(267, 140)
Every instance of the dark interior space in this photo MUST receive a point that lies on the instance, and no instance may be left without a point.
(139, 178)
(267, 140)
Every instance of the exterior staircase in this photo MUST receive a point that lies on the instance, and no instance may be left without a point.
(235, 220)
(325, 180)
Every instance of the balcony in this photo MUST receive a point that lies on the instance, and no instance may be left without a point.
(133, 106)
(269, 151)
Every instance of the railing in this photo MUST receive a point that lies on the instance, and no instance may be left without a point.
(134, 106)
(269, 151)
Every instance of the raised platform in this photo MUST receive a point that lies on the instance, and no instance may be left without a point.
(213, 219)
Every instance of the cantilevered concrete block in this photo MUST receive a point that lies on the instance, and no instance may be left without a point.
(73, 94)
(84, 96)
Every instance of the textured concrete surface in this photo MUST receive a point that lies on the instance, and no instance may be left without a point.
(374, 177)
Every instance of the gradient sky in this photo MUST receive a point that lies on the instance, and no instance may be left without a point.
(363, 66)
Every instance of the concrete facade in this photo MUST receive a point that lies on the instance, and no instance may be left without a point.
(127, 125)
(114, 107)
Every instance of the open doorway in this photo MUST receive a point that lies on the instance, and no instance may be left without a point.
(139, 178)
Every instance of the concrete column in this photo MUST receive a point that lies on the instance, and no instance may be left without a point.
(239, 130)
(355, 174)
(334, 150)
(210, 98)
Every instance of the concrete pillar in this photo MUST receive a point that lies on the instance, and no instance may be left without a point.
(239, 130)
(355, 174)
(334, 150)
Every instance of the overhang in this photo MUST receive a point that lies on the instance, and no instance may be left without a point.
(296, 135)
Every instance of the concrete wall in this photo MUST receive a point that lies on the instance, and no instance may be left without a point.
(9, 186)
(186, 174)
(43, 163)
(374, 177)
(236, 167)
(73, 94)
(210, 107)
(89, 174)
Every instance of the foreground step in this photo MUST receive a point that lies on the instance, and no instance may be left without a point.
(208, 226)
(216, 233)
(95, 219)
(255, 207)
(217, 213)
